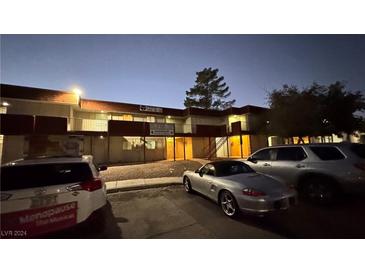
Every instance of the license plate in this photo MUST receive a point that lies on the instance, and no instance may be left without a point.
(36, 221)
(43, 201)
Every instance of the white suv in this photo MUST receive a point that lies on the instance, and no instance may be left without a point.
(47, 194)
(319, 171)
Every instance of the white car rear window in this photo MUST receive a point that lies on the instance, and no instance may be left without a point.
(40, 175)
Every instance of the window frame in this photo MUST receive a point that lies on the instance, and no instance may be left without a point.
(290, 147)
(211, 166)
(328, 146)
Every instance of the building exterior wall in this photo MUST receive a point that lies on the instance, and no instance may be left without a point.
(200, 146)
(257, 142)
(18, 106)
(221, 147)
(13, 148)
(118, 132)
(155, 149)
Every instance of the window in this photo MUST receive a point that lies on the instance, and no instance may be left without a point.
(209, 170)
(29, 176)
(127, 145)
(151, 119)
(265, 154)
(130, 143)
(139, 119)
(151, 144)
(232, 168)
(358, 149)
(327, 153)
(290, 154)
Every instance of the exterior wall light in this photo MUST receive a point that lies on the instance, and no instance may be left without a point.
(5, 104)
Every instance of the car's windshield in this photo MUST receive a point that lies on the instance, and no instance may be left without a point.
(231, 168)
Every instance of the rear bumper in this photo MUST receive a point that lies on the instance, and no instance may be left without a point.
(262, 205)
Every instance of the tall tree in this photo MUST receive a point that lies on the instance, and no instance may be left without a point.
(294, 112)
(209, 91)
(341, 106)
(315, 111)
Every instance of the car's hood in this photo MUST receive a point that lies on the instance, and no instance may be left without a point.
(259, 182)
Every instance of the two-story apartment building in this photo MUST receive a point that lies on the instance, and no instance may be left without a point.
(37, 121)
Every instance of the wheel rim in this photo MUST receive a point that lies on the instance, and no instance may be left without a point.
(227, 203)
(187, 184)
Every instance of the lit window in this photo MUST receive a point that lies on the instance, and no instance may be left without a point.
(151, 144)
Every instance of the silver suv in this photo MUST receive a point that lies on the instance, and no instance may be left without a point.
(320, 172)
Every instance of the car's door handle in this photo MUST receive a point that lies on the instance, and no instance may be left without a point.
(266, 164)
(300, 165)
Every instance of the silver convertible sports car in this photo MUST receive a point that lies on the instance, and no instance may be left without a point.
(237, 187)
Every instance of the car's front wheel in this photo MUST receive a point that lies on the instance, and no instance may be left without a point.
(228, 204)
(187, 185)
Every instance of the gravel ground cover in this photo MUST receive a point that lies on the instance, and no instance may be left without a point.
(148, 170)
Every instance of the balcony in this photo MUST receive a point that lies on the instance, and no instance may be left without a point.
(184, 128)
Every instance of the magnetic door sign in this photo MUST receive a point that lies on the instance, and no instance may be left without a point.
(33, 222)
(159, 129)
(150, 109)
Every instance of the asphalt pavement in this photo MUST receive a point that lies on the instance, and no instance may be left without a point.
(169, 212)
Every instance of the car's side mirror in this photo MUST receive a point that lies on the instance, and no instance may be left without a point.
(252, 160)
(197, 171)
(201, 173)
(102, 168)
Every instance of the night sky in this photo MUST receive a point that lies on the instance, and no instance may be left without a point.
(158, 69)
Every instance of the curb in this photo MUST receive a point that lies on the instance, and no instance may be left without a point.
(140, 187)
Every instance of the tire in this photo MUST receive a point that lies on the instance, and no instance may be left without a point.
(319, 191)
(228, 204)
(97, 222)
(187, 185)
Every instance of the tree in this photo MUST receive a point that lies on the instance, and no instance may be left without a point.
(317, 110)
(209, 91)
(294, 112)
(340, 107)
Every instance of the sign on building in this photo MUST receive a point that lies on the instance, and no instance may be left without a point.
(159, 129)
(150, 109)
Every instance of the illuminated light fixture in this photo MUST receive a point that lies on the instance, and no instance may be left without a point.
(77, 91)
(169, 117)
(102, 111)
(5, 104)
(101, 137)
(234, 116)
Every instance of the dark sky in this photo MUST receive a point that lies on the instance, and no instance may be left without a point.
(158, 69)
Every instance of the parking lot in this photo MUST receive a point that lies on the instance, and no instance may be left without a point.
(169, 212)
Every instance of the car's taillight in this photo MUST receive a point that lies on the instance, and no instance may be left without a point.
(91, 185)
(360, 166)
(253, 192)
